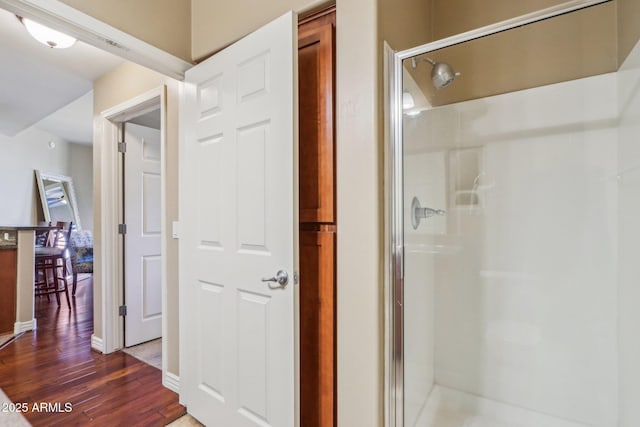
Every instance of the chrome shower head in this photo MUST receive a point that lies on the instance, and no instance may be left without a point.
(441, 73)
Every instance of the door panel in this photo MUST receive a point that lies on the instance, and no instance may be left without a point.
(210, 346)
(143, 273)
(251, 149)
(317, 323)
(317, 175)
(151, 295)
(208, 210)
(252, 333)
(238, 225)
(151, 202)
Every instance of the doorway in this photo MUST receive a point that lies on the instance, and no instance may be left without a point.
(142, 249)
(136, 130)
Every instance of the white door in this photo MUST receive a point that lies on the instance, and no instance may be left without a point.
(142, 251)
(238, 224)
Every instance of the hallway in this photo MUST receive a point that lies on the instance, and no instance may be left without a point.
(55, 364)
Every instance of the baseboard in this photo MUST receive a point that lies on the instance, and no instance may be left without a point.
(20, 327)
(172, 382)
(97, 344)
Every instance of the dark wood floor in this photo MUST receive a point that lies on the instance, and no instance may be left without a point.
(55, 364)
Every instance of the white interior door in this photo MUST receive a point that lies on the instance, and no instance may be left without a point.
(142, 272)
(238, 222)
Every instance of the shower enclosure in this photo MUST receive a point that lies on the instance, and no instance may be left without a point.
(514, 222)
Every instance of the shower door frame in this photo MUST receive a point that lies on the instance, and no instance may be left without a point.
(394, 194)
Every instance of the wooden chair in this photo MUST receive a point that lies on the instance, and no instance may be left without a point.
(51, 264)
(43, 237)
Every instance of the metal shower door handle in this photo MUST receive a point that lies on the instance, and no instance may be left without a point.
(281, 278)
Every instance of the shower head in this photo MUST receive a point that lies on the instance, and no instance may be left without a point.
(441, 73)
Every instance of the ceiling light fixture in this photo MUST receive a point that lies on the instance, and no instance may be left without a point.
(46, 35)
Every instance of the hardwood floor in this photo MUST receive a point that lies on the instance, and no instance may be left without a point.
(55, 364)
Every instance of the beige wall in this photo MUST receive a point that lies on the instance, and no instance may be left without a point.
(457, 16)
(217, 24)
(360, 202)
(165, 24)
(567, 47)
(124, 83)
(450, 17)
(628, 27)
(404, 24)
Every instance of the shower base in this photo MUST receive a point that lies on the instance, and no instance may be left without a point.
(452, 408)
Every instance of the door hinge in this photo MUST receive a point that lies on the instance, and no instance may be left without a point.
(122, 228)
(122, 147)
(122, 310)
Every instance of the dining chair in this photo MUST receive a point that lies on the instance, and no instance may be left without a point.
(51, 263)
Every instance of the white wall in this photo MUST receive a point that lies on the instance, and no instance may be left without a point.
(427, 172)
(629, 209)
(19, 157)
(81, 170)
(525, 280)
(28, 151)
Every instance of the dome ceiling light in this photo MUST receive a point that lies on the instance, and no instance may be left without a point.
(47, 36)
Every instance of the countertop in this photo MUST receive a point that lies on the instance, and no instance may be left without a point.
(25, 227)
(8, 234)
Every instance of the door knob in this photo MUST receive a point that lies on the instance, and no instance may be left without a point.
(281, 278)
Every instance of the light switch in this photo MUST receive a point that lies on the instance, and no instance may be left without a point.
(175, 229)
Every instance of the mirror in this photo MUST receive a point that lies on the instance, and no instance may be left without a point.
(58, 198)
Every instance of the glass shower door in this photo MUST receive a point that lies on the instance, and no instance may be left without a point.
(519, 210)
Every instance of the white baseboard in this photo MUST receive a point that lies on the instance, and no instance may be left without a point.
(172, 382)
(20, 327)
(97, 344)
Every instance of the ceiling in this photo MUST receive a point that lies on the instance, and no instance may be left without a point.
(152, 119)
(36, 82)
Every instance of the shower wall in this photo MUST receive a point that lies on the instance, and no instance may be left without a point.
(629, 225)
(425, 173)
(513, 295)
